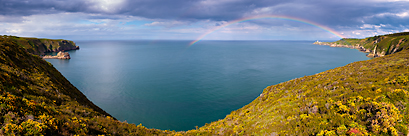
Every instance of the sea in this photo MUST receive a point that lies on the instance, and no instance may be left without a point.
(171, 85)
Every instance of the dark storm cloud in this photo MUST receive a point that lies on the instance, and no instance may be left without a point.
(30, 7)
(356, 13)
(163, 9)
(196, 9)
(327, 12)
(330, 13)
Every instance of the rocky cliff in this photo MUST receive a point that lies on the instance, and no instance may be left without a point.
(60, 55)
(362, 98)
(41, 46)
(360, 48)
(376, 46)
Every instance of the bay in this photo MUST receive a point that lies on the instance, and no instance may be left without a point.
(173, 86)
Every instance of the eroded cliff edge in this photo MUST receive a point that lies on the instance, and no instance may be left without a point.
(36, 99)
(376, 46)
(42, 46)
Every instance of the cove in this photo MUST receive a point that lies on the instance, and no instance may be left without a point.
(168, 85)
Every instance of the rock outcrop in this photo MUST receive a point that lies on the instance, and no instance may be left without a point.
(376, 46)
(60, 55)
(42, 46)
(58, 45)
(358, 47)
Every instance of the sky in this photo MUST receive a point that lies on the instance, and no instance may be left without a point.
(202, 19)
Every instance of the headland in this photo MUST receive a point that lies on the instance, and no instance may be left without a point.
(376, 46)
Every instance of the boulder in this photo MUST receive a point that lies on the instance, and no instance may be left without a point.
(60, 55)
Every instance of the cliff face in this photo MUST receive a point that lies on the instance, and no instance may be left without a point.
(42, 46)
(376, 46)
(60, 55)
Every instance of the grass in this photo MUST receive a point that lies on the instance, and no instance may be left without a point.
(41, 46)
(383, 44)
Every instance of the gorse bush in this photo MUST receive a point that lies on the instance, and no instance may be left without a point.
(383, 44)
(35, 99)
(362, 98)
(41, 46)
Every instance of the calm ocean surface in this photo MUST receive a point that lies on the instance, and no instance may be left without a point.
(169, 85)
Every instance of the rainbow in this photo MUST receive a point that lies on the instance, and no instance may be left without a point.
(267, 17)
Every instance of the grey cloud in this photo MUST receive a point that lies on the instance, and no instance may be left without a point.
(30, 7)
(326, 12)
(329, 13)
(163, 9)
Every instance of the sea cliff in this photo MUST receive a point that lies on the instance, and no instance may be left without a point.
(376, 46)
(60, 55)
(41, 46)
(358, 47)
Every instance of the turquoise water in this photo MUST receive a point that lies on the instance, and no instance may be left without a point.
(169, 85)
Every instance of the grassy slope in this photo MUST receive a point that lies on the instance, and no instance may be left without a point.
(37, 99)
(385, 44)
(40, 46)
(367, 97)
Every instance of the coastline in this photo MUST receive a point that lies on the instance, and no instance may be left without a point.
(60, 55)
(370, 53)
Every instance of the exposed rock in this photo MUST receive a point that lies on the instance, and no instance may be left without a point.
(42, 46)
(60, 55)
(359, 47)
(63, 45)
(371, 53)
(378, 46)
(368, 51)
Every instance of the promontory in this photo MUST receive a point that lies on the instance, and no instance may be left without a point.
(42, 46)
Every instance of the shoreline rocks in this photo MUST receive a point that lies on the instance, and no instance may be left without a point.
(60, 55)
(370, 53)
(43, 46)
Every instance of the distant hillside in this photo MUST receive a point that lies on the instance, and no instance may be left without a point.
(41, 46)
(376, 46)
(362, 98)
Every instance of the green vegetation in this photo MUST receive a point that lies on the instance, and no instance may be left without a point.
(41, 46)
(362, 98)
(383, 45)
(36, 99)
